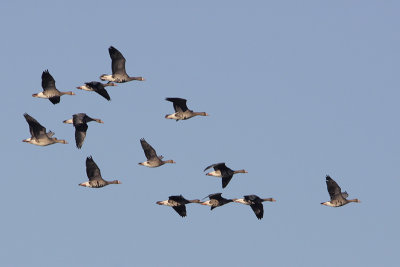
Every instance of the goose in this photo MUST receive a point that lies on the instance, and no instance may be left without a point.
(49, 89)
(152, 159)
(80, 121)
(39, 136)
(178, 204)
(338, 198)
(98, 88)
(216, 200)
(181, 110)
(255, 203)
(118, 68)
(94, 175)
(220, 170)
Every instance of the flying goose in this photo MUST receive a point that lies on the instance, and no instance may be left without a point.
(178, 204)
(220, 170)
(39, 136)
(118, 68)
(255, 203)
(181, 110)
(338, 198)
(216, 200)
(94, 175)
(152, 159)
(49, 89)
(98, 88)
(80, 121)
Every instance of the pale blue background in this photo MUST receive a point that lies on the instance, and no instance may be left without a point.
(295, 89)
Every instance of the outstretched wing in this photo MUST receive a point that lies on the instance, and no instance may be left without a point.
(148, 149)
(80, 134)
(48, 82)
(216, 196)
(226, 180)
(181, 210)
(216, 166)
(333, 188)
(92, 170)
(179, 103)
(55, 99)
(117, 61)
(258, 209)
(178, 199)
(35, 128)
(99, 88)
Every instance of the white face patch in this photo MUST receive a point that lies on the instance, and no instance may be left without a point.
(215, 173)
(84, 87)
(87, 184)
(206, 203)
(328, 203)
(41, 95)
(107, 78)
(241, 200)
(172, 117)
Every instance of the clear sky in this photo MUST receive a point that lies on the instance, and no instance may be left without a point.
(295, 90)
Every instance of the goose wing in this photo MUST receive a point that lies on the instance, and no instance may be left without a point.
(148, 149)
(258, 209)
(216, 196)
(181, 210)
(333, 188)
(48, 82)
(178, 199)
(92, 170)
(226, 180)
(80, 134)
(55, 99)
(179, 103)
(216, 166)
(117, 61)
(252, 199)
(35, 128)
(99, 88)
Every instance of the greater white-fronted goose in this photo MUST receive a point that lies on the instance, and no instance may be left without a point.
(220, 170)
(181, 110)
(118, 68)
(94, 175)
(216, 200)
(255, 203)
(178, 204)
(39, 136)
(80, 121)
(338, 198)
(152, 159)
(97, 87)
(49, 89)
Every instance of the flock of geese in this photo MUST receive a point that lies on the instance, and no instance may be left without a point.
(40, 137)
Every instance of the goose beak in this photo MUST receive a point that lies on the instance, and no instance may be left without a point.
(159, 202)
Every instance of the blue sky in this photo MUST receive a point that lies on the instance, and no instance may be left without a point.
(295, 90)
